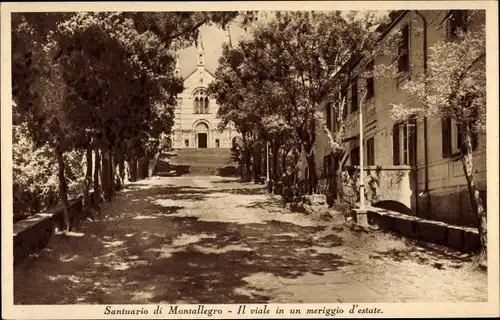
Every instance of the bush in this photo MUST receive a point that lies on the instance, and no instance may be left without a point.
(34, 174)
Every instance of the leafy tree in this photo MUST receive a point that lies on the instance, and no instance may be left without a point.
(101, 81)
(454, 87)
(39, 92)
(292, 65)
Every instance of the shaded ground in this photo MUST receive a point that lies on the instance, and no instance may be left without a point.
(208, 239)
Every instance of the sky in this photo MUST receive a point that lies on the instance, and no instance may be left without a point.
(212, 38)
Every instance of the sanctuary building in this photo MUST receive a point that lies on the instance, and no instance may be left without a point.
(196, 114)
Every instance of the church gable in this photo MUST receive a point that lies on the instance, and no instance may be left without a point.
(200, 77)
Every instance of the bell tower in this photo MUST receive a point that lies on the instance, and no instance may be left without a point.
(200, 53)
(177, 70)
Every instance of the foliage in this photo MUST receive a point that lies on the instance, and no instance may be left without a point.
(455, 83)
(35, 184)
(454, 87)
(275, 83)
(94, 80)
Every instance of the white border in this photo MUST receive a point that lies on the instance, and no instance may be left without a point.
(491, 308)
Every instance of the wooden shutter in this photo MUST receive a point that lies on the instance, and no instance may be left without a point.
(475, 140)
(446, 137)
(395, 144)
(412, 143)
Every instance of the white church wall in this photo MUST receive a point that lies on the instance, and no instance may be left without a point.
(186, 120)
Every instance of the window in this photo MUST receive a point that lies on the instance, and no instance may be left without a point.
(355, 156)
(404, 143)
(460, 138)
(453, 138)
(370, 86)
(370, 152)
(354, 95)
(201, 102)
(404, 50)
(457, 22)
(328, 116)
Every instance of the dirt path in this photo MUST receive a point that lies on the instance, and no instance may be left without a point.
(213, 240)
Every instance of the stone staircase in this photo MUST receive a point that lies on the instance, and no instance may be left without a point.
(194, 161)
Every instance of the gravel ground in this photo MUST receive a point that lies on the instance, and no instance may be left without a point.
(208, 239)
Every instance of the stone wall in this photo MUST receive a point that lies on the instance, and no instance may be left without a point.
(382, 183)
(33, 234)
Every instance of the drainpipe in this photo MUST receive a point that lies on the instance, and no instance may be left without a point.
(426, 153)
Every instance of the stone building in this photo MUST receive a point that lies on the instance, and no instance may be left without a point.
(426, 153)
(196, 114)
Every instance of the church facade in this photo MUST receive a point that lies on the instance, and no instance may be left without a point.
(196, 119)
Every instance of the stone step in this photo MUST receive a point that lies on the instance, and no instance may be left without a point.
(193, 161)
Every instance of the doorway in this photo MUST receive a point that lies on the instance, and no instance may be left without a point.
(202, 140)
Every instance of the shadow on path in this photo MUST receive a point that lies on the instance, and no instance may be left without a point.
(141, 252)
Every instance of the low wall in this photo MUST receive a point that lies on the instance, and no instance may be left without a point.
(33, 234)
(458, 237)
(382, 183)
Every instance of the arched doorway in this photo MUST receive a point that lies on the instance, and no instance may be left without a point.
(201, 131)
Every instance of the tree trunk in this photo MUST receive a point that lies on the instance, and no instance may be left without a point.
(63, 188)
(245, 152)
(247, 165)
(241, 160)
(274, 170)
(97, 169)
(112, 172)
(476, 202)
(283, 161)
(121, 166)
(133, 168)
(142, 167)
(105, 174)
(88, 181)
(256, 164)
(263, 155)
(333, 178)
(312, 173)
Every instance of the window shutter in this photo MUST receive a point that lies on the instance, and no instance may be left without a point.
(475, 141)
(446, 137)
(412, 147)
(474, 135)
(395, 144)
